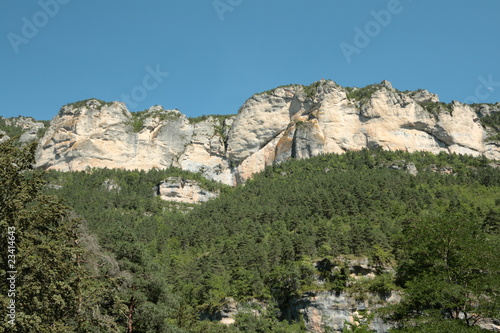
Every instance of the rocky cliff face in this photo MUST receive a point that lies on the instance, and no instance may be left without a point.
(180, 190)
(328, 311)
(323, 310)
(287, 122)
(293, 123)
(27, 128)
(98, 134)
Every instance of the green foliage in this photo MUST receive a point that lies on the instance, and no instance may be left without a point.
(275, 237)
(447, 263)
(11, 131)
(334, 273)
(83, 103)
(137, 119)
(312, 89)
(382, 284)
(54, 290)
(381, 258)
(309, 90)
(136, 188)
(360, 324)
(492, 121)
(271, 91)
(16, 131)
(436, 324)
(195, 120)
(219, 125)
(304, 125)
(435, 108)
(410, 91)
(265, 322)
(132, 224)
(220, 117)
(234, 164)
(362, 94)
(41, 131)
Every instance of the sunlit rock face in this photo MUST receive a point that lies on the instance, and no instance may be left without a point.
(274, 126)
(286, 123)
(177, 189)
(98, 135)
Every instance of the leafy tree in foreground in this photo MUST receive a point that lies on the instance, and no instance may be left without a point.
(449, 267)
(52, 291)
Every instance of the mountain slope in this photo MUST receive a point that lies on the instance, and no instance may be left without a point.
(284, 236)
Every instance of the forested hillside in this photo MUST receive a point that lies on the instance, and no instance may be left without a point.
(434, 218)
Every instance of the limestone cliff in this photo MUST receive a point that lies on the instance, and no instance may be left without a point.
(287, 122)
(97, 134)
(324, 310)
(180, 190)
(26, 129)
(291, 122)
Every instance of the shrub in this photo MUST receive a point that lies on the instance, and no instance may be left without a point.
(83, 103)
(435, 108)
(312, 89)
(362, 94)
(137, 120)
(271, 91)
(492, 121)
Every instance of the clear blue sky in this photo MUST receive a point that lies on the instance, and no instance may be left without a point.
(216, 58)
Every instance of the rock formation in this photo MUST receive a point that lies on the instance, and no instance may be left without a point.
(287, 122)
(29, 128)
(330, 310)
(322, 310)
(98, 134)
(180, 190)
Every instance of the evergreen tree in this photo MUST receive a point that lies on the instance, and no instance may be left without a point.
(43, 275)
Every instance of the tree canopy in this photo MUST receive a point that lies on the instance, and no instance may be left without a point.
(131, 262)
(264, 240)
(54, 289)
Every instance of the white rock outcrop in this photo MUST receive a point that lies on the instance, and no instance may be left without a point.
(287, 122)
(298, 126)
(98, 135)
(177, 189)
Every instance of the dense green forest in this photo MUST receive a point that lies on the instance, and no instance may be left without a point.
(145, 265)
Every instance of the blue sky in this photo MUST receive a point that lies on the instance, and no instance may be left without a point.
(208, 57)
